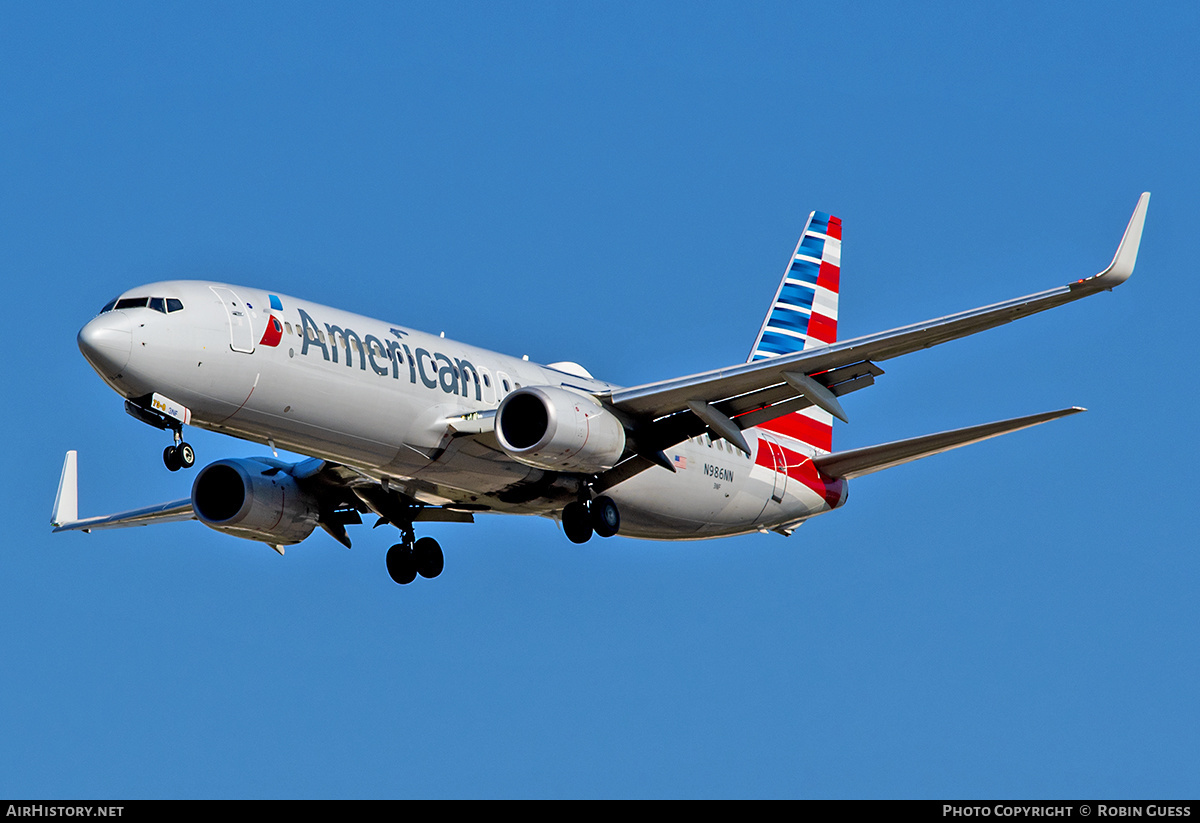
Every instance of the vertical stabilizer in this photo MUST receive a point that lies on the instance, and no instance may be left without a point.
(802, 316)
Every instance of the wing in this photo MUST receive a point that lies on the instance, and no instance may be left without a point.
(65, 516)
(341, 495)
(746, 395)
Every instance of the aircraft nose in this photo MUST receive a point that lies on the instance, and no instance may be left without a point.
(106, 342)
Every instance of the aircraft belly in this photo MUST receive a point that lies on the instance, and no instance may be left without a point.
(709, 496)
(471, 465)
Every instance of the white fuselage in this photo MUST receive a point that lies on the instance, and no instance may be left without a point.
(376, 397)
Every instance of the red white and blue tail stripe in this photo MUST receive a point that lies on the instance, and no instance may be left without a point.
(802, 316)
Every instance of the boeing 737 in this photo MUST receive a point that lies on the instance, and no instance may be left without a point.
(413, 428)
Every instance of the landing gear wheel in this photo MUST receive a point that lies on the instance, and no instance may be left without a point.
(171, 459)
(186, 455)
(400, 564)
(577, 522)
(606, 520)
(428, 558)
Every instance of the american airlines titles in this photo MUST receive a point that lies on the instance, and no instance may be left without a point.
(435, 370)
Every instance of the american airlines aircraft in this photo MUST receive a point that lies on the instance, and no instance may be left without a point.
(414, 428)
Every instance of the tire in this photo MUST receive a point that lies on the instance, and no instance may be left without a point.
(171, 459)
(185, 455)
(577, 523)
(400, 564)
(606, 519)
(428, 559)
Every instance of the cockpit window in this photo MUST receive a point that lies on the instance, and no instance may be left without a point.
(160, 304)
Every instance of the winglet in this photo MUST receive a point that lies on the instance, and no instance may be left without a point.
(1123, 261)
(66, 502)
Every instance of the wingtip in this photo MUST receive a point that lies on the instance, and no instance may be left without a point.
(66, 501)
(1125, 259)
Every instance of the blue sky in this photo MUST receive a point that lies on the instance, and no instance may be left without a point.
(621, 186)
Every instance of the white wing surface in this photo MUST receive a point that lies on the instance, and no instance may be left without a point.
(752, 393)
(65, 516)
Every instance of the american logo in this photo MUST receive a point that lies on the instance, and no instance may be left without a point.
(274, 331)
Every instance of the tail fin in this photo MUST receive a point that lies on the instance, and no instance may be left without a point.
(803, 315)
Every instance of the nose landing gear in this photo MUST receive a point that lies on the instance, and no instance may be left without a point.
(179, 456)
(580, 520)
(164, 413)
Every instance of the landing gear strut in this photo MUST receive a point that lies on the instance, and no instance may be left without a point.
(412, 557)
(179, 456)
(580, 520)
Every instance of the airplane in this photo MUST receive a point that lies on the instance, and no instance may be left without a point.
(414, 428)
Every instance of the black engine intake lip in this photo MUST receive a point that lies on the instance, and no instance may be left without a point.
(219, 493)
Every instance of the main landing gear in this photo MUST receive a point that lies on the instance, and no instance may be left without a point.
(412, 557)
(580, 520)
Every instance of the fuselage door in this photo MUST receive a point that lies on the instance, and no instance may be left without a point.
(241, 335)
(780, 463)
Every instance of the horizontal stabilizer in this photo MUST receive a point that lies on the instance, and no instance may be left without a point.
(857, 462)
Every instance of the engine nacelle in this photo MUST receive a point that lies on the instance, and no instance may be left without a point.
(252, 499)
(556, 429)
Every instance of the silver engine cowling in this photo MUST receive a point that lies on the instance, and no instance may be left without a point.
(560, 430)
(252, 499)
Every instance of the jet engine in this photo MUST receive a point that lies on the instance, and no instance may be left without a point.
(559, 430)
(252, 499)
